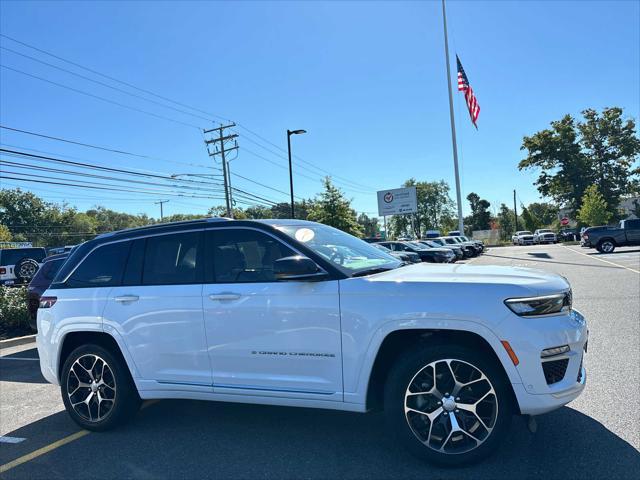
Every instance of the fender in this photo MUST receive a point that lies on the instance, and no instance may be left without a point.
(359, 394)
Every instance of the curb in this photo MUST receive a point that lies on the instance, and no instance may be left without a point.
(13, 342)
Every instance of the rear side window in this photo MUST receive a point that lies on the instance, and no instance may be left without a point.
(632, 224)
(50, 268)
(102, 268)
(172, 259)
(11, 256)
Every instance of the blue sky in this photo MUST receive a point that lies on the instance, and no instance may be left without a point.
(366, 79)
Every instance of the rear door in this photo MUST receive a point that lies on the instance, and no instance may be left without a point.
(268, 337)
(158, 311)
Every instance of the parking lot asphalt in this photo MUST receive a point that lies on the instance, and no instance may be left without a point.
(596, 436)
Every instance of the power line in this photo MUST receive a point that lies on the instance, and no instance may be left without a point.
(337, 178)
(113, 102)
(107, 149)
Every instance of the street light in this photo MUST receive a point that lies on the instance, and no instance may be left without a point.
(289, 133)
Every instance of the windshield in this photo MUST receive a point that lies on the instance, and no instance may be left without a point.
(432, 244)
(545, 231)
(418, 245)
(524, 233)
(348, 253)
(438, 241)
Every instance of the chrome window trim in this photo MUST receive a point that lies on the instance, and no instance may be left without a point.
(202, 229)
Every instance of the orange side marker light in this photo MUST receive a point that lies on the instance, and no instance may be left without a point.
(512, 354)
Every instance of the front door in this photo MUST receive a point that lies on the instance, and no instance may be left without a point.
(268, 337)
(158, 311)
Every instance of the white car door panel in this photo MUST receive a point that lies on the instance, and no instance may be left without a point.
(267, 335)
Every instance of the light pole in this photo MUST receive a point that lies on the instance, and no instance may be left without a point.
(289, 133)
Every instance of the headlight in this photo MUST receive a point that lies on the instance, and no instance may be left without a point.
(545, 305)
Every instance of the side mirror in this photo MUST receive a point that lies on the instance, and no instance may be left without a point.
(297, 267)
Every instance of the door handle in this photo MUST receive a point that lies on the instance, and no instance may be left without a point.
(127, 298)
(224, 296)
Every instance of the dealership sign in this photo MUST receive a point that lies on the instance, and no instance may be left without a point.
(397, 201)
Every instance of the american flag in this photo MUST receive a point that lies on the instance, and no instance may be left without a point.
(470, 98)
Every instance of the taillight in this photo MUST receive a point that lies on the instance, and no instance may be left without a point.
(585, 236)
(3, 270)
(48, 302)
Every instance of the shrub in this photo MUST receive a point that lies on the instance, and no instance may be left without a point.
(13, 308)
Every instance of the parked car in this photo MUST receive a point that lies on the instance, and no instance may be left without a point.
(522, 237)
(40, 282)
(568, 235)
(470, 248)
(58, 250)
(19, 265)
(606, 239)
(478, 243)
(544, 235)
(426, 254)
(266, 312)
(457, 250)
(406, 257)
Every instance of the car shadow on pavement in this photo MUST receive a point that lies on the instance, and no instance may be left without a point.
(27, 370)
(190, 439)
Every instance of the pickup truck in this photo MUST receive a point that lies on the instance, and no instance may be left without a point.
(605, 239)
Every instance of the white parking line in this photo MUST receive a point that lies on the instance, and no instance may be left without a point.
(6, 439)
(602, 260)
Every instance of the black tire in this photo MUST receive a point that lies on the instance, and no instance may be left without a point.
(403, 377)
(124, 401)
(606, 246)
(26, 269)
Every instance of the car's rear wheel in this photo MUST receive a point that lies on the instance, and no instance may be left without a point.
(606, 246)
(448, 404)
(97, 389)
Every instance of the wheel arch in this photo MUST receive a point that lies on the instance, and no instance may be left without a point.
(75, 339)
(399, 341)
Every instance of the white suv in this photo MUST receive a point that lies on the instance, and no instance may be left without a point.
(287, 312)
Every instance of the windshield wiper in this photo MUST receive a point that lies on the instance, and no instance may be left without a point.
(371, 271)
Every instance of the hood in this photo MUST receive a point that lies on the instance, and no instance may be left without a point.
(537, 282)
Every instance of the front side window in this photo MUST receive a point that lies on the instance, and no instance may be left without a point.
(243, 256)
(346, 252)
(102, 268)
(172, 259)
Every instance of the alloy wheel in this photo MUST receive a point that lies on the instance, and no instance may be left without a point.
(607, 246)
(451, 406)
(91, 387)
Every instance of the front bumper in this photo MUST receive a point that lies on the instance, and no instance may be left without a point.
(538, 393)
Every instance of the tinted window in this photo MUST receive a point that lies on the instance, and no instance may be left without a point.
(102, 268)
(133, 271)
(50, 268)
(240, 256)
(11, 256)
(172, 259)
(632, 224)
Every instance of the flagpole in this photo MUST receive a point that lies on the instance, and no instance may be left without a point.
(453, 124)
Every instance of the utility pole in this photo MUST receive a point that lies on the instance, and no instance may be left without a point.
(161, 211)
(453, 124)
(515, 209)
(221, 149)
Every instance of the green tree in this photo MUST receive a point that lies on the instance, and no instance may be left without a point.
(435, 209)
(506, 222)
(531, 222)
(594, 211)
(545, 213)
(5, 234)
(612, 147)
(332, 208)
(480, 217)
(370, 225)
(602, 149)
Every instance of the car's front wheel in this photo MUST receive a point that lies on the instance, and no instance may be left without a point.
(448, 404)
(97, 389)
